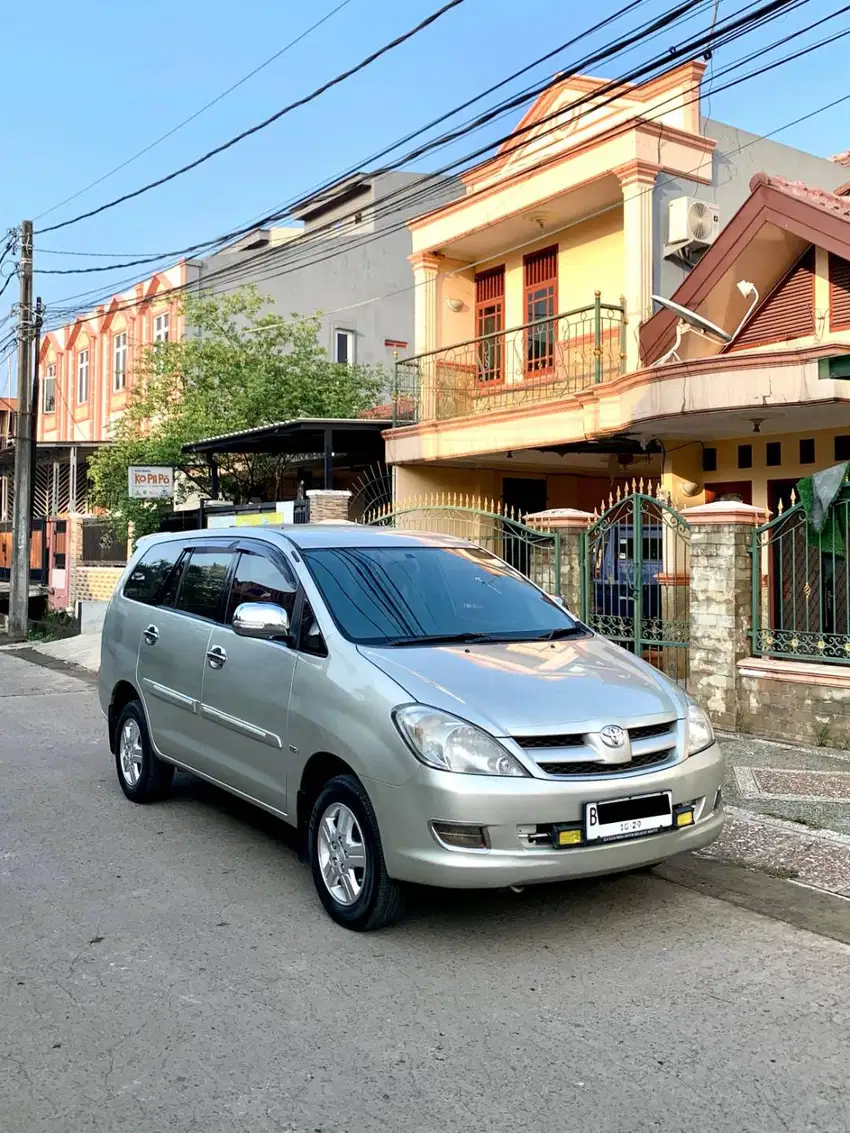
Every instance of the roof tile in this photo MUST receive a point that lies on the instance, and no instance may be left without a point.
(829, 202)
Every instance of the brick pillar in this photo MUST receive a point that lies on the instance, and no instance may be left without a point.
(74, 556)
(327, 506)
(721, 603)
(570, 525)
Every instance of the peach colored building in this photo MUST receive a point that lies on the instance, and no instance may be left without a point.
(535, 379)
(86, 367)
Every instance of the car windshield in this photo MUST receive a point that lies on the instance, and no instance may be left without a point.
(419, 594)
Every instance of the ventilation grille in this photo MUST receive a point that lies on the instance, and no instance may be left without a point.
(839, 293)
(788, 312)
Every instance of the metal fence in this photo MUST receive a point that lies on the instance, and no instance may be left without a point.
(636, 579)
(486, 523)
(537, 362)
(801, 586)
(100, 545)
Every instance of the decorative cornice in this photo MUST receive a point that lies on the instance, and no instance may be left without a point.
(725, 513)
(636, 172)
(425, 260)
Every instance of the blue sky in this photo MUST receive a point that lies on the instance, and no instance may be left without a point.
(104, 82)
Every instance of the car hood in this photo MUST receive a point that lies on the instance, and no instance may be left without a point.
(528, 687)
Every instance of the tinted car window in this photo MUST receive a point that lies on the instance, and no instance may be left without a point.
(256, 579)
(380, 595)
(204, 579)
(146, 582)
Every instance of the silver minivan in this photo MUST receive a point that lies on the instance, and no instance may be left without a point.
(416, 708)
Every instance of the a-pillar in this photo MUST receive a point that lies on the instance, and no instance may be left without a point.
(720, 604)
(637, 181)
(425, 270)
(328, 506)
(570, 525)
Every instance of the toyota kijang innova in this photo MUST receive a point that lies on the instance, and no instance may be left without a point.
(418, 709)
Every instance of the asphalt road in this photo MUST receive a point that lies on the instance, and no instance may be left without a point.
(168, 969)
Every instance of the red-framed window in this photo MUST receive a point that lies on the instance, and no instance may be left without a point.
(489, 323)
(541, 306)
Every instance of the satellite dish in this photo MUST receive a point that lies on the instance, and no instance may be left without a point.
(689, 321)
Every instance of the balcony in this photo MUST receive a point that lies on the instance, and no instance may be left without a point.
(531, 364)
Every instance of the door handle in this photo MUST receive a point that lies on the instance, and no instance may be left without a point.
(216, 657)
(151, 635)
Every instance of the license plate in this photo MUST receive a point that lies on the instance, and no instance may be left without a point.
(628, 818)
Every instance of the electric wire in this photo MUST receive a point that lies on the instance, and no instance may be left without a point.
(207, 106)
(257, 127)
(250, 267)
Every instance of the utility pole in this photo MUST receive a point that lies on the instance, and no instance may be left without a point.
(19, 589)
(36, 397)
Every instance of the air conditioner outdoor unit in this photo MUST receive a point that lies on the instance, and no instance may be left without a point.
(692, 223)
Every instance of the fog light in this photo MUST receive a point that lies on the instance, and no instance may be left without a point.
(461, 836)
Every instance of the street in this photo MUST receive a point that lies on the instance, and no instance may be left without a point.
(168, 968)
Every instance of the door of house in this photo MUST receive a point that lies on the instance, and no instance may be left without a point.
(58, 566)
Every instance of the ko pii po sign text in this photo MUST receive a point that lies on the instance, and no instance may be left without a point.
(151, 482)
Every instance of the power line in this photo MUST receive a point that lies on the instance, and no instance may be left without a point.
(271, 59)
(303, 101)
(731, 30)
(328, 184)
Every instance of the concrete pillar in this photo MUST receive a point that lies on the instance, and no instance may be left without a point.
(327, 506)
(637, 180)
(720, 604)
(425, 270)
(570, 524)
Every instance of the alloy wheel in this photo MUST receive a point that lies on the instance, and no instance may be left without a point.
(130, 752)
(342, 853)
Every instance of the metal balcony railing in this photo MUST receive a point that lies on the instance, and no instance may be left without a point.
(537, 362)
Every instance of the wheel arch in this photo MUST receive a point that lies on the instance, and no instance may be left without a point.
(122, 695)
(321, 767)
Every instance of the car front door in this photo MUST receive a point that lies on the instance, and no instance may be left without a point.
(172, 651)
(247, 683)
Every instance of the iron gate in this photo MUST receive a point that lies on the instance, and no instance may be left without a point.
(635, 580)
(487, 524)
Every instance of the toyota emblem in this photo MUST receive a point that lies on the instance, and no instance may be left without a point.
(613, 735)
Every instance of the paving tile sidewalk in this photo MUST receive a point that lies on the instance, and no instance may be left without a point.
(788, 809)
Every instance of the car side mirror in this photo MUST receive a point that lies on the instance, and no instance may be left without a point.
(264, 621)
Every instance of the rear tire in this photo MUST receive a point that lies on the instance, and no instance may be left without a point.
(347, 859)
(144, 778)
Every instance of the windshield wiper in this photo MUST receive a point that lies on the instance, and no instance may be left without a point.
(562, 631)
(447, 639)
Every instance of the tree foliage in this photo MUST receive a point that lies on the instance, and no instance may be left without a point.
(235, 369)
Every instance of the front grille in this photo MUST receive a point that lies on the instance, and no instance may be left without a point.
(541, 743)
(650, 759)
(647, 731)
(577, 739)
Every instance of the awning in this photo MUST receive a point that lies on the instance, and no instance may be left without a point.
(357, 439)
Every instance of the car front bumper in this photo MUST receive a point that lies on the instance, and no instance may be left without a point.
(507, 806)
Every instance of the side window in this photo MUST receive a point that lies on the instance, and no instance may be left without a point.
(310, 638)
(151, 572)
(256, 579)
(204, 579)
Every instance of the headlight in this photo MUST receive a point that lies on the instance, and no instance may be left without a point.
(700, 731)
(450, 744)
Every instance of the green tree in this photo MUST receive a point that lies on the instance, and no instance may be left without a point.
(235, 369)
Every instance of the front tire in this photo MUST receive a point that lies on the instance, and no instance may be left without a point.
(143, 777)
(347, 859)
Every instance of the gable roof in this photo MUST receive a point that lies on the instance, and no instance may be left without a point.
(813, 215)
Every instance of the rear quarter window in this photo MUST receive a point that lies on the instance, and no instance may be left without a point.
(151, 572)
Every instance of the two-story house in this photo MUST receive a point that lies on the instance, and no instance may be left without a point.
(350, 263)
(532, 382)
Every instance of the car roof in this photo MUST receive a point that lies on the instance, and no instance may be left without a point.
(307, 536)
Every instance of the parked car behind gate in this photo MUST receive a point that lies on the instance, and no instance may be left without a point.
(418, 709)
